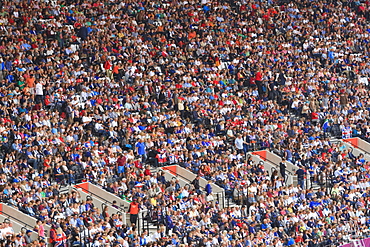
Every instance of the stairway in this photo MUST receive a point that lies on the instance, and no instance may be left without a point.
(271, 162)
(20, 220)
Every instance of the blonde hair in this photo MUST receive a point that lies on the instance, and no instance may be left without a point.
(59, 230)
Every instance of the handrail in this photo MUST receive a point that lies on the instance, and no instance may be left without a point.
(104, 204)
(356, 146)
(100, 198)
(271, 162)
(18, 220)
(273, 169)
(187, 186)
(177, 174)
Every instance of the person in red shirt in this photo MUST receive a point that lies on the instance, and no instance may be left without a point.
(147, 171)
(314, 117)
(258, 78)
(121, 161)
(299, 238)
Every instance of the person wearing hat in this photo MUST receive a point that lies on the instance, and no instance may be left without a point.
(19, 241)
(27, 237)
(99, 241)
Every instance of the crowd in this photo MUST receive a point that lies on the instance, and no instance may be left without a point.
(8, 237)
(102, 91)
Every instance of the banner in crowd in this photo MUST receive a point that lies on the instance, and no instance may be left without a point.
(359, 243)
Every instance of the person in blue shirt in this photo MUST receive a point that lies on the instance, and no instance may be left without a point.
(208, 188)
(252, 228)
(141, 150)
(315, 203)
(31, 159)
(290, 242)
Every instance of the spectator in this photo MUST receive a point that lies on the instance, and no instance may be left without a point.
(179, 83)
(196, 184)
(301, 177)
(27, 237)
(134, 211)
(282, 169)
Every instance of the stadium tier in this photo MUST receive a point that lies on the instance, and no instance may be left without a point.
(184, 123)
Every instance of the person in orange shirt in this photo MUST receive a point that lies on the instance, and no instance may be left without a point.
(134, 211)
(30, 82)
(192, 35)
(115, 69)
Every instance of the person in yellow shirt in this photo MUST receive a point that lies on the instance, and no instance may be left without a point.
(153, 201)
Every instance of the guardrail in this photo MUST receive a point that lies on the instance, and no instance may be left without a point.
(85, 188)
(360, 144)
(25, 221)
(106, 198)
(103, 194)
(18, 225)
(169, 176)
(189, 176)
(290, 177)
(269, 166)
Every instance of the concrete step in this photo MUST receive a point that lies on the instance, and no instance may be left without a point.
(152, 228)
(154, 169)
(335, 140)
(315, 187)
(230, 203)
(64, 189)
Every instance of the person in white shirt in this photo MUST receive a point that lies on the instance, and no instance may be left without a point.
(239, 144)
(39, 91)
(86, 119)
(7, 230)
(185, 193)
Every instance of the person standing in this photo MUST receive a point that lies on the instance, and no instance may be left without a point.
(27, 237)
(30, 82)
(141, 150)
(343, 99)
(346, 131)
(208, 188)
(282, 169)
(134, 211)
(41, 229)
(121, 162)
(39, 91)
(258, 77)
(239, 144)
(196, 184)
(300, 175)
(61, 238)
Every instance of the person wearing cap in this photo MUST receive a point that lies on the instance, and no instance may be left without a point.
(19, 241)
(27, 237)
(98, 242)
